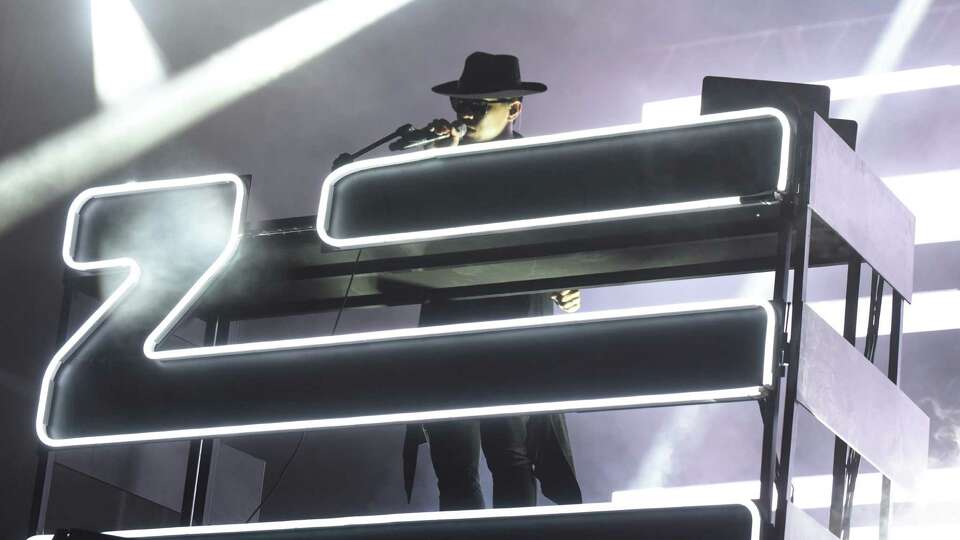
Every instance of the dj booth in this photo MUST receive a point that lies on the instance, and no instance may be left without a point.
(763, 180)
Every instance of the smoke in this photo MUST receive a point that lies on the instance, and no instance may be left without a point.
(60, 163)
(684, 424)
(930, 513)
(945, 431)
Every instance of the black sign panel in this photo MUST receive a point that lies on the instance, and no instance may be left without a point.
(580, 522)
(573, 178)
(120, 378)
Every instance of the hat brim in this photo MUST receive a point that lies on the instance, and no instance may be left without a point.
(450, 88)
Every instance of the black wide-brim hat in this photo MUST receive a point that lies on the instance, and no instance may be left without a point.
(490, 76)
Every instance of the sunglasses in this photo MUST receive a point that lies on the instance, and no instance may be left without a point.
(474, 107)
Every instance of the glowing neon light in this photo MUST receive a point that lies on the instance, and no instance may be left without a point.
(133, 269)
(196, 290)
(424, 517)
(551, 221)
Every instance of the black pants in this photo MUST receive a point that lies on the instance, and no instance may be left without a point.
(455, 451)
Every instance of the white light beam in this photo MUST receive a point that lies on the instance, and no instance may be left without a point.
(931, 311)
(60, 163)
(932, 198)
(846, 88)
(126, 60)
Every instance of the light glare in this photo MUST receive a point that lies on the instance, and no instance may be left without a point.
(57, 165)
(860, 86)
(930, 311)
(810, 492)
(931, 197)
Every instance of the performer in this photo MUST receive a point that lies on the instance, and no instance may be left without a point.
(488, 99)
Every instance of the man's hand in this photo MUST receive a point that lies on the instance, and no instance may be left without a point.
(441, 127)
(568, 300)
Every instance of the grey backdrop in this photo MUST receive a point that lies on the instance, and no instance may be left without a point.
(602, 60)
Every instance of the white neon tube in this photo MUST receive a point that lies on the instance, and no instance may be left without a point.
(426, 517)
(551, 221)
(196, 290)
(131, 266)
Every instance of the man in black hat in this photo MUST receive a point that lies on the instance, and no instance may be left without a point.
(488, 99)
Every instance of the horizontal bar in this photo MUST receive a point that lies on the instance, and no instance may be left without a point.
(636, 357)
(566, 179)
(717, 520)
(859, 404)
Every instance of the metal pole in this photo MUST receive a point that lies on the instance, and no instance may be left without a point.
(195, 487)
(770, 404)
(893, 373)
(201, 450)
(802, 215)
(840, 447)
(45, 457)
(793, 370)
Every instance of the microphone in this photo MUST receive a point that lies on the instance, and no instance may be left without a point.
(421, 137)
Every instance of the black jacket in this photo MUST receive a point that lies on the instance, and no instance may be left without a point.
(548, 444)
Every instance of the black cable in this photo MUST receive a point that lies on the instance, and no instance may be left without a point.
(277, 483)
(183, 339)
(852, 465)
(333, 331)
(346, 295)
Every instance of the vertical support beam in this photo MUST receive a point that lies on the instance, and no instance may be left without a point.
(840, 447)
(45, 457)
(770, 405)
(893, 373)
(800, 263)
(217, 332)
(793, 364)
(41, 490)
(195, 487)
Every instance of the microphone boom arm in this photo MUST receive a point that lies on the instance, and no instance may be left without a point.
(346, 157)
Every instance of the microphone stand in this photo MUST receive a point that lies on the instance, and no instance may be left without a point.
(345, 157)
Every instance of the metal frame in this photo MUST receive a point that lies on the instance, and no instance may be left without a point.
(799, 218)
(778, 406)
(45, 456)
(217, 332)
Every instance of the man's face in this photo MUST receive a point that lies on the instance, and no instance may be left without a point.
(486, 118)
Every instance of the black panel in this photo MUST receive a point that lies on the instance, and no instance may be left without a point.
(108, 387)
(728, 522)
(847, 129)
(721, 94)
(636, 169)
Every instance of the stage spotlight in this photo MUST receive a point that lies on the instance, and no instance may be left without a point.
(126, 60)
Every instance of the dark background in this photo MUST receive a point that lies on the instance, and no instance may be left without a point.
(602, 59)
